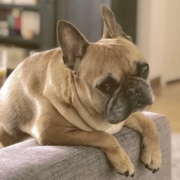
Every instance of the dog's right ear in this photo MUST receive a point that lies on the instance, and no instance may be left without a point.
(72, 43)
(111, 28)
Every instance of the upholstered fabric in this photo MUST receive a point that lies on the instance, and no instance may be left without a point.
(29, 161)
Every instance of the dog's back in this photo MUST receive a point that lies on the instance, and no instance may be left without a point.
(18, 95)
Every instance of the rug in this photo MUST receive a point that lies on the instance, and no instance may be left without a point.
(175, 140)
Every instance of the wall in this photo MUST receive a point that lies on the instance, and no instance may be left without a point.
(158, 36)
(171, 63)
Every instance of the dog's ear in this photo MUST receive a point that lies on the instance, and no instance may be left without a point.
(111, 28)
(72, 43)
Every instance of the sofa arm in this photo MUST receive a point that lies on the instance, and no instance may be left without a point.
(27, 160)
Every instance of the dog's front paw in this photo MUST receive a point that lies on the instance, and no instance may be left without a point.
(122, 164)
(125, 168)
(151, 157)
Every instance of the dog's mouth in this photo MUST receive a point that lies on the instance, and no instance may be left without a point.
(130, 99)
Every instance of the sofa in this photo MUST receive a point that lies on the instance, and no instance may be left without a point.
(29, 161)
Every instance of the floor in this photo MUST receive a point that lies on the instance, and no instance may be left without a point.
(168, 103)
(175, 162)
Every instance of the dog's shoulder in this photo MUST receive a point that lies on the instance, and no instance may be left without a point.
(44, 56)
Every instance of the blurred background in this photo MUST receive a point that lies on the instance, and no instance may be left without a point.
(29, 26)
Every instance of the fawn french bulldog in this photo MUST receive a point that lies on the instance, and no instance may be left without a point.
(81, 94)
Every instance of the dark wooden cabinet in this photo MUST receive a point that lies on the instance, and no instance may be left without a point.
(48, 24)
(86, 15)
(125, 12)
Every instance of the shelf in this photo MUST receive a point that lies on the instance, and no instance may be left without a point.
(46, 38)
(19, 41)
(24, 7)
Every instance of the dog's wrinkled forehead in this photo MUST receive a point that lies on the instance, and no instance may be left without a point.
(113, 57)
(119, 54)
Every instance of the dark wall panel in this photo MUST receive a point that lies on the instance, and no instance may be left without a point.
(86, 15)
(125, 12)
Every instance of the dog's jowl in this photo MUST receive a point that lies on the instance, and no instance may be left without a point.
(80, 94)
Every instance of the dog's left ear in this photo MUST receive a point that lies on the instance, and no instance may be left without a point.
(72, 43)
(111, 28)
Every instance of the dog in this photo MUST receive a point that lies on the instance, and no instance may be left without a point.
(80, 94)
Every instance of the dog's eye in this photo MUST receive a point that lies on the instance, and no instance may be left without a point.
(143, 70)
(109, 85)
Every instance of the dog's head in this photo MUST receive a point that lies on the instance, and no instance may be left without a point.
(110, 75)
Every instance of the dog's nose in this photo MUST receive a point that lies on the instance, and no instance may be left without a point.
(132, 92)
(138, 92)
(131, 89)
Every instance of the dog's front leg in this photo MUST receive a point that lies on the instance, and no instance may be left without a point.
(49, 131)
(151, 153)
(108, 144)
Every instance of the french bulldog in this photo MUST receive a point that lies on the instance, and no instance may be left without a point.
(80, 94)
